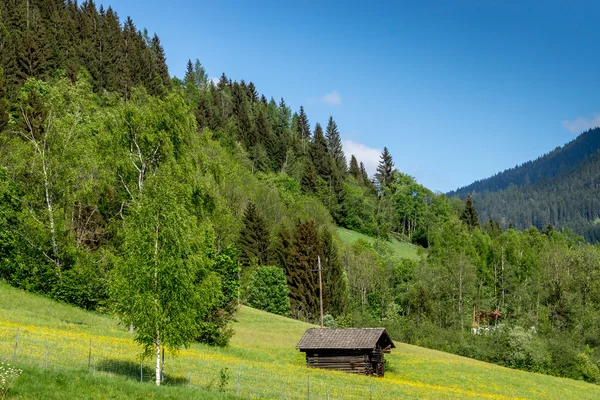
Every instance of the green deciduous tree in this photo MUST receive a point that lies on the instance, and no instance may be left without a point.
(268, 291)
(155, 283)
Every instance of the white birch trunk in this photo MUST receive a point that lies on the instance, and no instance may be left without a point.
(157, 370)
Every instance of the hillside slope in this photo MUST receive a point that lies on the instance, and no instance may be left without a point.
(558, 189)
(559, 161)
(262, 353)
(569, 200)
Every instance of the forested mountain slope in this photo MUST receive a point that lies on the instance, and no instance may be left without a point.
(560, 160)
(569, 200)
(558, 189)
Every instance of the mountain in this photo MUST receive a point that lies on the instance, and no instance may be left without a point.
(558, 189)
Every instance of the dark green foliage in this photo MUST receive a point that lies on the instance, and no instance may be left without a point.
(302, 126)
(558, 188)
(309, 180)
(268, 291)
(334, 144)
(42, 37)
(469, 215)
(254, 238)
(302, 280)
(364, 175)
(321, 159)
(385, 169)
(335, 289)
(354, 169)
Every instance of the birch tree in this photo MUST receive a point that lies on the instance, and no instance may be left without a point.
(155, 284)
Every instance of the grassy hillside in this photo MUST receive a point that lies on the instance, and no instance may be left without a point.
(401, 249)
(262, 352)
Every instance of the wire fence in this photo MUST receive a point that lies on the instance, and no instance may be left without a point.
(218, 372)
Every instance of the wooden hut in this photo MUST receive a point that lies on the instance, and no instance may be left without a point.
(354, 350)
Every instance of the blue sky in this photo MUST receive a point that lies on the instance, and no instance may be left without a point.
(457, 90)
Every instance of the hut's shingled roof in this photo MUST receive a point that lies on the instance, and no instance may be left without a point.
(350, 338)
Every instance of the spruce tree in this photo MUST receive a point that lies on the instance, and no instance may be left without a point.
(354, 169)
(364, 175)
(335, 287)
(160, 61)
(303, 126)
(254, 238)
(302, 280)
(319, 155)
(223, 82)
(252, 93)
(188, 79)
(334, 144)
(385, 169)
(309, 180)
(469, 214)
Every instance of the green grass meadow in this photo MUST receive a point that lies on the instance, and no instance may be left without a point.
(400, 249)
(54, 352)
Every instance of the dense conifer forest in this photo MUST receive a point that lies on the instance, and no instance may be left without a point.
(122, 189)
(558, 189)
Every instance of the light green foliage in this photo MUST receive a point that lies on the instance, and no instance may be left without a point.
(268, 291)
(155, 284)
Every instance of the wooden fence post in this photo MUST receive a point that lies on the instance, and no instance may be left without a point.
(141, 371)
(16, 344)
(90, 356)
(237, 389)
(308, 388)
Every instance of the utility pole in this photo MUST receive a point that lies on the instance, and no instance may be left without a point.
(320, 290)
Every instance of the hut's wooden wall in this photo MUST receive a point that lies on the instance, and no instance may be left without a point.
(363, 363)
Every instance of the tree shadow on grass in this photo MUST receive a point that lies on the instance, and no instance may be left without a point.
(132, 370)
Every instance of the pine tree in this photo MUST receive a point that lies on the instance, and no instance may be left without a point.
(363, 173)
(160, 62)
(189, 74)
(223, 82)
(354, 169)
(310, 180)
(254, 238)
(252, 93)
(385, 169)
(334, 144)
(335, 287)
(302, 280)
(303, 126)
(319, 155)
(469, 215)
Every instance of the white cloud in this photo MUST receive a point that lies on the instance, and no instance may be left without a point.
(332, 98)
(582, 124)
(368, 155)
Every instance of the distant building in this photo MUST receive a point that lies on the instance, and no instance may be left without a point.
(354, 350)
